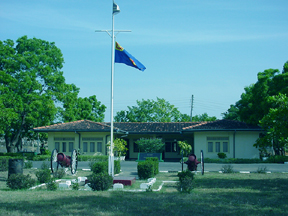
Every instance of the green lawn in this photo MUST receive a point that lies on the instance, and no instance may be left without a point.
(214, 194)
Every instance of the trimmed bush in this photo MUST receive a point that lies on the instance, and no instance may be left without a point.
(155, 162)
(102, 166)
(51, 185)
(185, 184)
(100, 182)
(277, 159)
(222, 155)
(20, 181)
(145, 169)
(97, 158)
(99, 167)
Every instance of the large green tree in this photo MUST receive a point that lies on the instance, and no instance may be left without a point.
(150, 111)
(254, 103)
(31, 83)
(275, 124)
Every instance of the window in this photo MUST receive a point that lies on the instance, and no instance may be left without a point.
(218, 144)
(85, 147)
(92, 146)
(210, 146)
(57, 145)
(71, 146)
(136, 149)
(225, 146)
(171, 147)
(64, 146)
(99, 146)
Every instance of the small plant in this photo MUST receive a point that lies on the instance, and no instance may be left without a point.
(60, 173)
(44, 174)
(149, 188)
(20, 181)
(145, 169)
(28, 165)
(185, 184)
(51, 185)
(262, 169)
(100, 181)
(227, 169)
(75, 186)
(222, 155)
(99, 167)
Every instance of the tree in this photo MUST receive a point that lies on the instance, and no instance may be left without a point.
(152, 145)
(276, 125)
(77, 108)
(150, 111)
(203, 117)
(31, 82)
(254, 103)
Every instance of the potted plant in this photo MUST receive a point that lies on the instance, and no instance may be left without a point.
(120, 148)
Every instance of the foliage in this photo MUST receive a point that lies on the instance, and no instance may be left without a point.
(102, 166)
(276, 125)
(222, 155)
(4, 161)
(227, 169)
(152, 145)
(42, 158)
(20, 181)
(262, 170)
(185, 147)
(150, 111)
(185, 184)
(59, 174)
(31, 84)
(51, 185)
(75, 186)
(92, 158)
(28, 164)
(100, 181)
(145, 169)
(44, 174)
(155, 162)
(277, 159)
(233, 160)
(45, 151)
(120, 146)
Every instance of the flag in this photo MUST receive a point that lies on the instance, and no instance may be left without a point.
(122, 56)
(116, 8)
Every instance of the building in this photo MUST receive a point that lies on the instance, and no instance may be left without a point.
(234, 138)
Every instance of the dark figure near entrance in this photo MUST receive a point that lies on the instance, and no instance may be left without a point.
(192, 162)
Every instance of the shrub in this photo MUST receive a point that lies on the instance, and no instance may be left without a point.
(41, 158)
(102, 166)
(227, 169)
(28, 165)
(51, 185)
(97, 158)
(155, 162)
(152, 145)
(44, 174)
(277, 159)
(185, 184)
(4, 161)
(117, 166)
(100, 182)
(20, 181)
(60, 173)
(99, 167)
(75, 186)
(145, 169)
(262, 169)
(222, 155)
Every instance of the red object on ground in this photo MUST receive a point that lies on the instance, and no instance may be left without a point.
(124, 180)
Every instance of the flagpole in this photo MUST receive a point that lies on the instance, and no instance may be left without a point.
(111, 158)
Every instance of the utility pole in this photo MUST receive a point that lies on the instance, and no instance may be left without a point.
(192, 99)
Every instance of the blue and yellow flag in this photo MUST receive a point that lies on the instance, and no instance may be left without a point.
(122, 56)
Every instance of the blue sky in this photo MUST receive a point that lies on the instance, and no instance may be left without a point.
(210, 49)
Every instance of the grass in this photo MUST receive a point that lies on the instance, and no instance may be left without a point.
(213, 194)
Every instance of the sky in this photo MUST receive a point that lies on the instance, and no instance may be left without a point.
(209, 49)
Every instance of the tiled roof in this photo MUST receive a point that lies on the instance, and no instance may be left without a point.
(147, 127)
(81, 125)
(221, 125)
